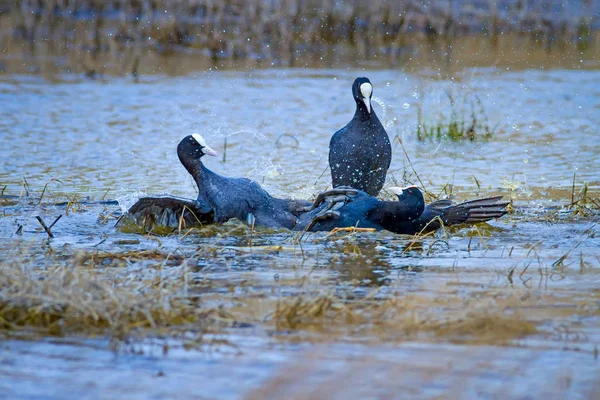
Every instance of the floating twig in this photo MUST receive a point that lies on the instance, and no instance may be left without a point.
(55, 221)
(573, 192)
(26, 186)
(127, 241)
(44, 226)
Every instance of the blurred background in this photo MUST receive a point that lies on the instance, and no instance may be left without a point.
(173, 37)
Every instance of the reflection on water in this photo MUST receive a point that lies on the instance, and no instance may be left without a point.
(481, 307)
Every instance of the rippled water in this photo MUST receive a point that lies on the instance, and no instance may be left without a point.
(116, 139)
(96, 136)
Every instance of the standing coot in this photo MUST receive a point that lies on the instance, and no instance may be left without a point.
(360, 153)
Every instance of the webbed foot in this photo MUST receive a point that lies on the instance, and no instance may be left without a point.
(334, 195)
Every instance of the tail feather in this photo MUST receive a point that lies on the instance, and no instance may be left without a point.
(474, 211)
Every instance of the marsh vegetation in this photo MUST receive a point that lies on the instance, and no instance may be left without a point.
(139, 37)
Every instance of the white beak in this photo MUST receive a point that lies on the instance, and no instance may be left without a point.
(396, 190)
(399, 190)
(208, 151)
(366, 89)
(367, 102)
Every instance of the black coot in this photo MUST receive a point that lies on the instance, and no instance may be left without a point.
(239, 198)
(346, 207)
(360, 153)
(219, 198)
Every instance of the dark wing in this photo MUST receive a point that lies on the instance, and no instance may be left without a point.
(471, 212)
(166, 211)
(341, 193)
(338, 157)
(440, 205)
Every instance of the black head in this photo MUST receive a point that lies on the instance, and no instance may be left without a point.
(362, 90)
(192, 148)
(412, 198)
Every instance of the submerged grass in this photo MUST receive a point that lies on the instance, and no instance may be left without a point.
(70, 298)
(152, 292)
(147, 294)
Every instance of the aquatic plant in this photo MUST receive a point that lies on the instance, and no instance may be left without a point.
(466, 120)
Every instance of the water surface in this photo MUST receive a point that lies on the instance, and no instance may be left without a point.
(455, 312)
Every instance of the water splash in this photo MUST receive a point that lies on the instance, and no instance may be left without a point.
(254, 132)
(128, 199)
(382, 104)
(264, 168)
(387, 124)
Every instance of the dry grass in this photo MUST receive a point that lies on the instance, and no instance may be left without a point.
(407, 317)
(148, 293)
(71, 298)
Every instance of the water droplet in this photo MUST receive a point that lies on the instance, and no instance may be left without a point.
(405, 106)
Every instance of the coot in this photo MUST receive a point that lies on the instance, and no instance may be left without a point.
(347, 207)
(239, 198)
(360, 153)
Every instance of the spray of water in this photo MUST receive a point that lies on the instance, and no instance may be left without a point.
(389, 123)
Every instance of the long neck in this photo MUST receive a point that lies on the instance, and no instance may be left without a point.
(198, 171)
(362, 113)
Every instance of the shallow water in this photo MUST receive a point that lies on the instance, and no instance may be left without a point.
(117, 139)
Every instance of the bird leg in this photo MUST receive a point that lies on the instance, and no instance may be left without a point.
(250, 219)
(334, 195)
(326, 214)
